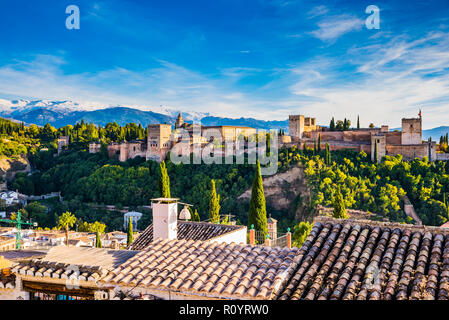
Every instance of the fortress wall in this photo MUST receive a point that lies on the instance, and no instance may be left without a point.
(343, 136)
(411, 152)
(357, 136)
(113, 149)
(394, 137)
(325, 135)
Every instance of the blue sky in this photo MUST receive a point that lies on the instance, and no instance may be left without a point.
(254, 58)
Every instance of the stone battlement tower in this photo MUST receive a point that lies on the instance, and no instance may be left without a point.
(411, 131)
(298, 124)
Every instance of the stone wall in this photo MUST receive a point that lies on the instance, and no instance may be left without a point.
(411, 152)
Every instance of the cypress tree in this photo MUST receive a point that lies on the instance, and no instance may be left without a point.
(332, 125)
(339, 211)
(328, 155)
(164, 182)
(257, 215)
(98, 241)
(358, 122)
(319, 143)
(130, 235)
(375, 151)
(196, 216)
(214, 204)
(314, 147)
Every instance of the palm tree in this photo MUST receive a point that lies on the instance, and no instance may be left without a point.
(66, 221)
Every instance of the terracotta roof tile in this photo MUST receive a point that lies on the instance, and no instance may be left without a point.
(361, 260)
(215, 269)
(187, 230)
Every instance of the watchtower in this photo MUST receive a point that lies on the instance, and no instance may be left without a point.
(411, 131)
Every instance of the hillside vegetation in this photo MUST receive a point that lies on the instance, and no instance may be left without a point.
(85, 178)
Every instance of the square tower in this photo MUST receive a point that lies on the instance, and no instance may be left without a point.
(381, 141)
(296, 126)
(411, 131)
(158, 141)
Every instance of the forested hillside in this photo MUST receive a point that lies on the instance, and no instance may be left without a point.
(373, 187)
(86, 179)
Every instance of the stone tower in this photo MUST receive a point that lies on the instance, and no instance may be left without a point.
(411, 131)
(179, 121)
(158, 141)
(295, 126)
(381, 140)
(272, 228)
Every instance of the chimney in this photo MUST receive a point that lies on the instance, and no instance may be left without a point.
(165, 215)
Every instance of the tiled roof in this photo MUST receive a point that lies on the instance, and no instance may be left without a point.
(62, 262)
(210, 269)
(7, 282)
(362, 260)
(187, 230)
(18, 255)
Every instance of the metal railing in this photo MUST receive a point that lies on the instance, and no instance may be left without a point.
(280, 241)
(257, 237)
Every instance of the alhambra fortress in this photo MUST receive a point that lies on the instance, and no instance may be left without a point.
(408, 142)
(303, 131)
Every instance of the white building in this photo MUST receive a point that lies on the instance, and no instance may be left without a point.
(167, 225)
(10, 197)
(135, 216)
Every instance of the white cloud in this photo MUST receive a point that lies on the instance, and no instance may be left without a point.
(332, 28)
(381, 82)
(391, 81)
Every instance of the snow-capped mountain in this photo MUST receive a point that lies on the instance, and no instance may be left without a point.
(61, 113)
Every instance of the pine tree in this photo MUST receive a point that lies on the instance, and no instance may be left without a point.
(130, 235)
(164, 182)
(358, 122)
(214, 204)
(339, 206)
(257, 215)
(98, 241)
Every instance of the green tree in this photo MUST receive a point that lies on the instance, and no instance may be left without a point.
(358, 122)
(375, 152)
(328, 155)
(257, 215)
(164, 182)
(92, 227)
(195, 216)
(319, 142)
(214, 204)
(300, 234)
(130, 235)
(38, 213)
(98, 241)
(339, 211)
(332, 125)
(66, 221)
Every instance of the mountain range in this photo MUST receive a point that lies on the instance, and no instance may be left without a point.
(61, 113)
